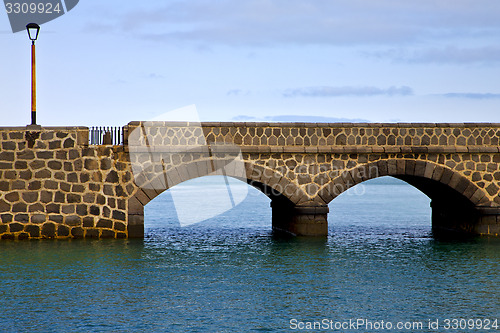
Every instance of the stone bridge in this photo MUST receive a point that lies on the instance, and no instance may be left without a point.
(53, 184)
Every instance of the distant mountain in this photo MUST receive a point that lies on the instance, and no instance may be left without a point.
(386, 180)
(300, 119)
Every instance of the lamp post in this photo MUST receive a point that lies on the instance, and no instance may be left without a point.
(33, 30)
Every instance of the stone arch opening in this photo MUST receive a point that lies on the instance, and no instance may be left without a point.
(283, 193)
(210, 201)
(455, 200)
(382, 202)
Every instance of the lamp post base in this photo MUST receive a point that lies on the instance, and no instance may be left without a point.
(33, 127)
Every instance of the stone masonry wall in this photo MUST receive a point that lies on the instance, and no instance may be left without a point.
(53, 185)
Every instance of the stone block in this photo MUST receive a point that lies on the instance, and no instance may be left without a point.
(104, 223)
(477, 196)
(108, 234)
(69, 143)
(73, 220)
(88, 222)
(18, 185)
(37, 207)
(56, 218)
(56, 144)
(68, 209)
(455, 179)
(34, 185)
(100, 199)
(119, 226)
(19, 165)
(38, 218)
(135, 219)
(120, 192)
(4, 186)
(72, 177)
(37, 164)
(55, 165)
(50, 185)
(63, 231)
(84, 177)
(92, 233)
(73, 154)
(420, 167)
(119, 215)
(59, 197)
(48, 230)
(106, 164)
(5, 206)
(45, 155)
(94, 187)
(73, 198)
(446, 178)
(59, 175)
(77, 232)
(33, 231)
(6, 218)
(438, 173)
(135, 231)
(25, 155)
(6, 156)
(6, 145)
(81, 210)
(75, 188)
(16, 227)
(20, 207)
(8, 174)
(112, 177)
(53, 208)
(30, 197)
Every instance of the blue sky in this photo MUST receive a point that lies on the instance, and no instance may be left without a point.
(111, 62)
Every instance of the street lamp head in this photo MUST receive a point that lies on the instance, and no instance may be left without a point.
(33, 30)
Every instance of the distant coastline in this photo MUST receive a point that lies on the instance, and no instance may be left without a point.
(217, 180)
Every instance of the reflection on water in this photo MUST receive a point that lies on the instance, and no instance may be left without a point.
(237, 277)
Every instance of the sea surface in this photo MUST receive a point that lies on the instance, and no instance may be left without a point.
(380, 266)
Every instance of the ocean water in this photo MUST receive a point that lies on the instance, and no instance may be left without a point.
(380, 266)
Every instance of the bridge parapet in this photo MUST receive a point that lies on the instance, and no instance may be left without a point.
(328, 134)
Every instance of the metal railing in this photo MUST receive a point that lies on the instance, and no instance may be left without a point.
(106, 135)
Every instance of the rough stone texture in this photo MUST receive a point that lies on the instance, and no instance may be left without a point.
(311, 164)
(47, 191)
(54, 185)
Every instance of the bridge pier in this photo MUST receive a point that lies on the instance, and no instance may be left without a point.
(299, 220)
(461, 218)
(488, 221)
(135, 226)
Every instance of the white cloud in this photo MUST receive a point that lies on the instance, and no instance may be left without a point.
(347, 91)
(343, 22)
(470, 95)
(443, 55)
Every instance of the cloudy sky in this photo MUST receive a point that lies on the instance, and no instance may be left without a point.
(111, 62)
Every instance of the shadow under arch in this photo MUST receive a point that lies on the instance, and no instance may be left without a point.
(455, 200)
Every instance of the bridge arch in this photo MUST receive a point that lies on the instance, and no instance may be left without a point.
(276, 186)
(455, 200)
(272, 183)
